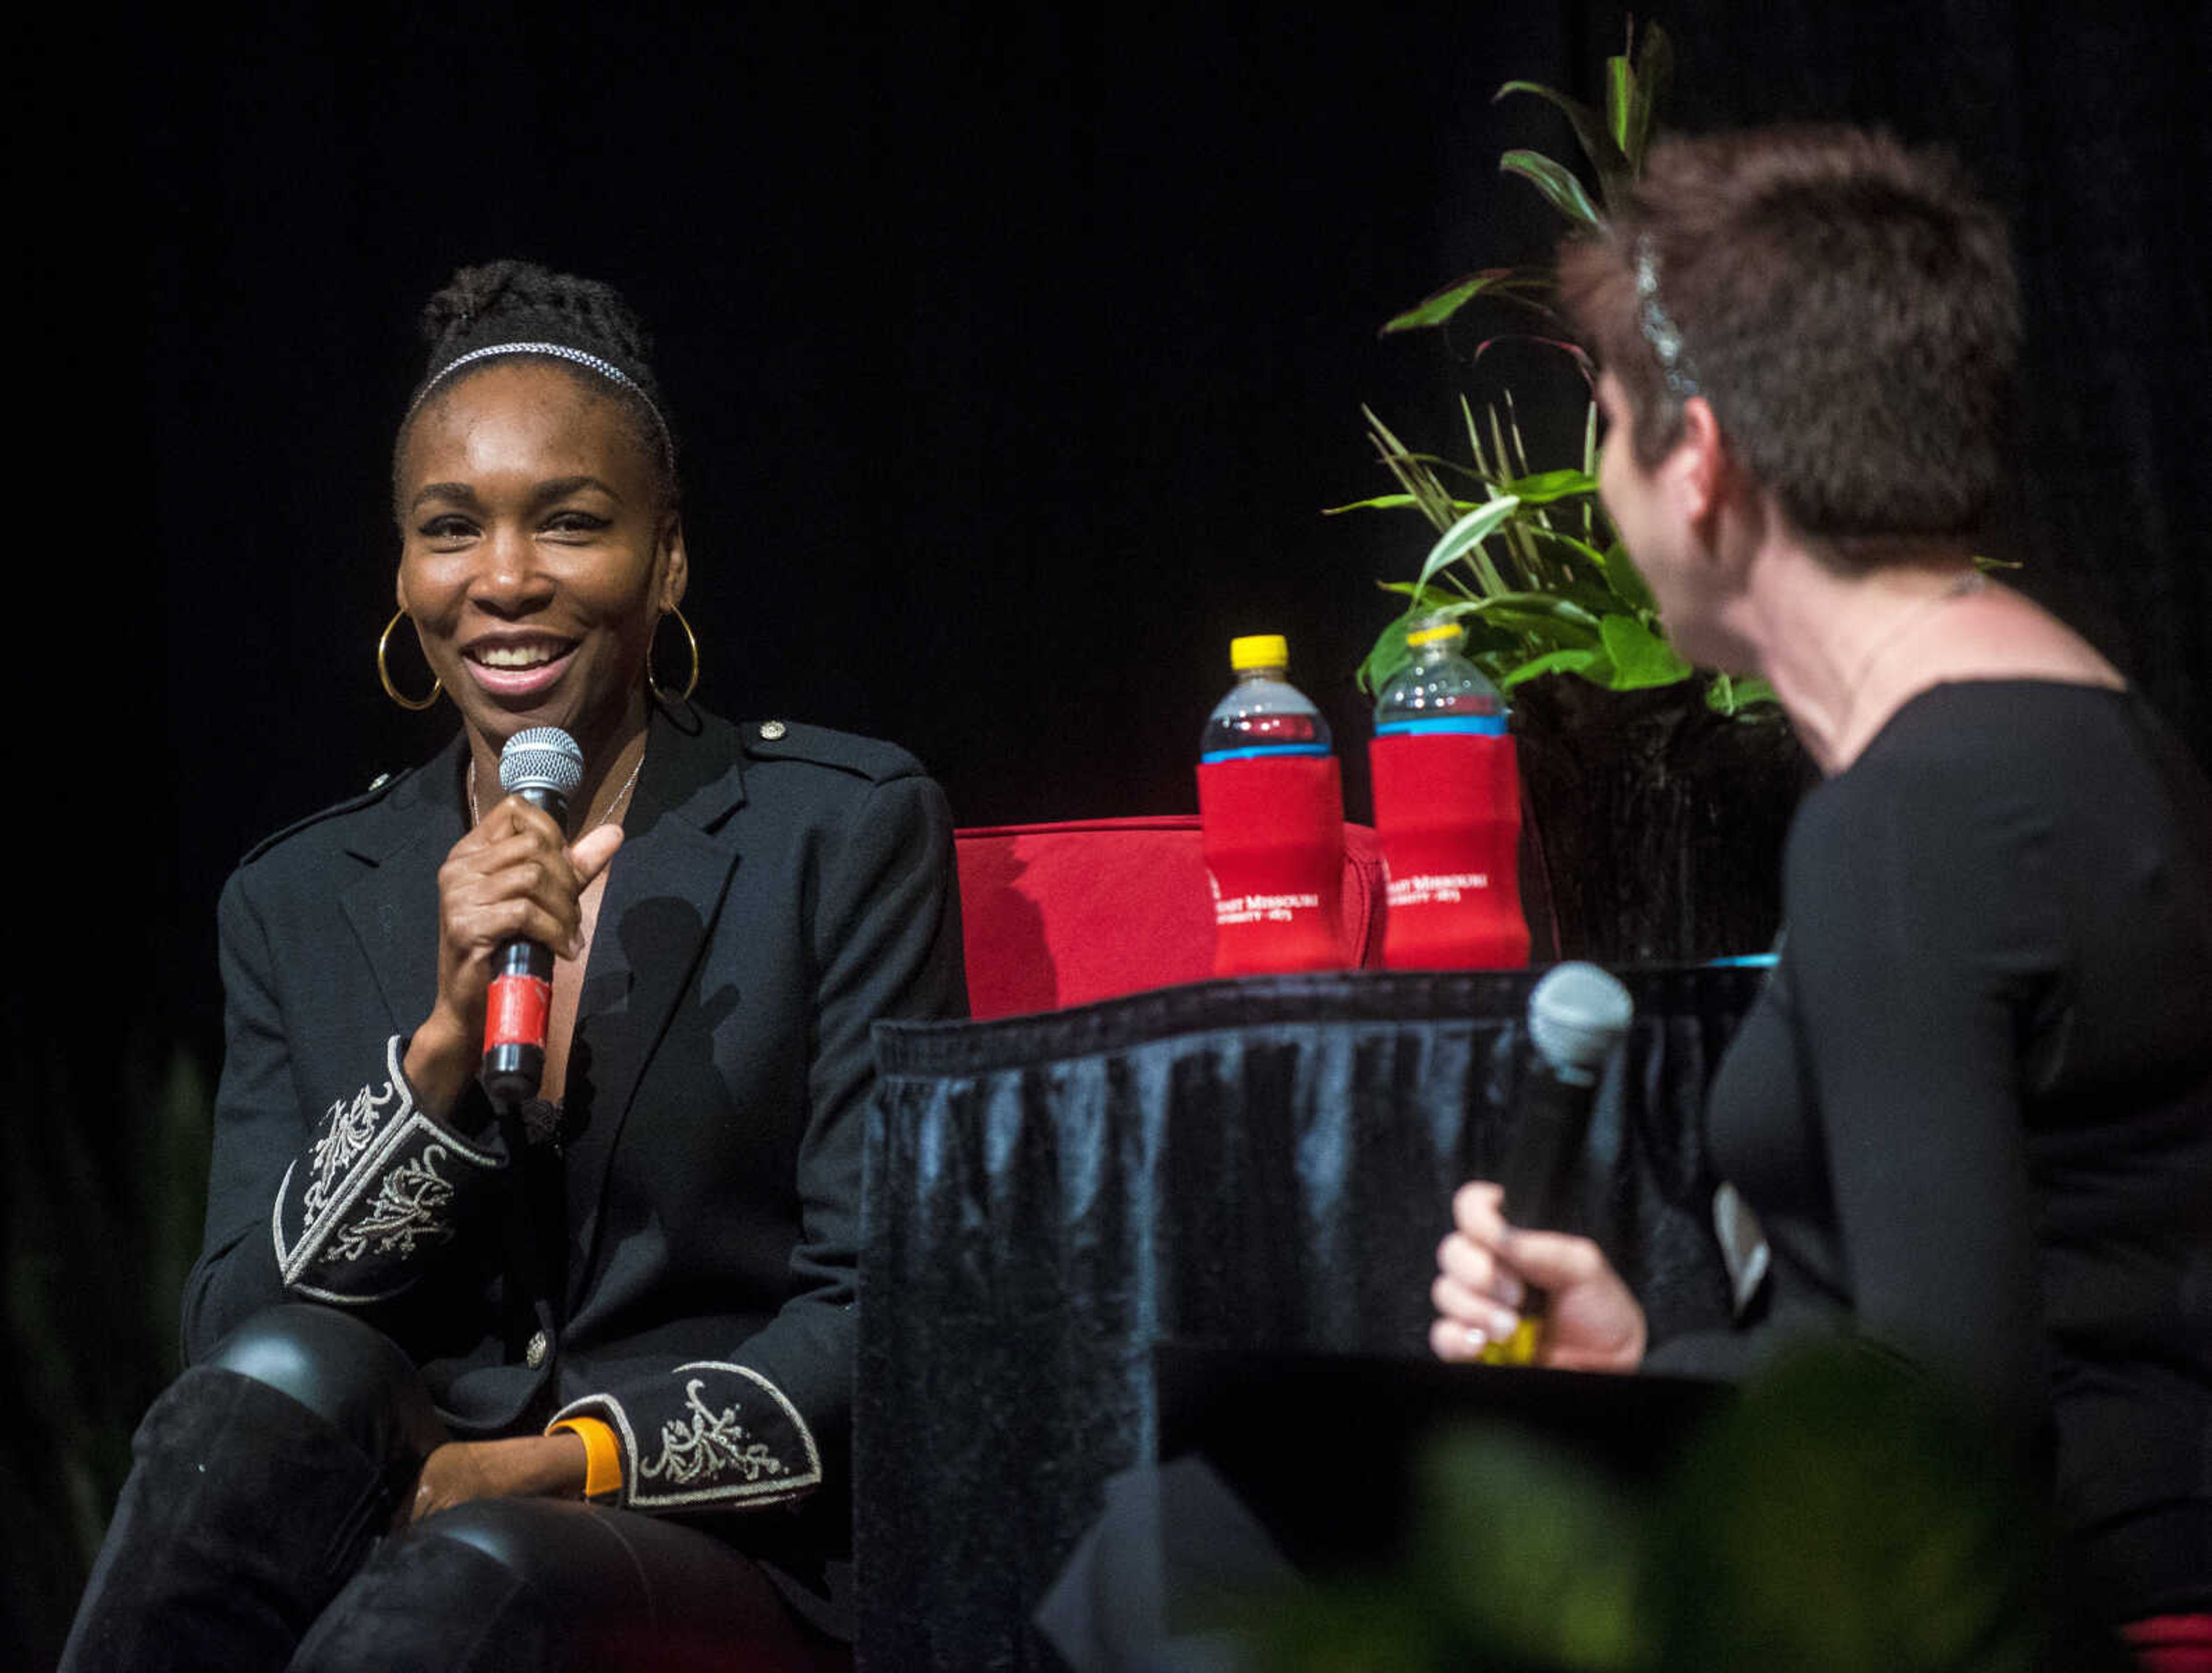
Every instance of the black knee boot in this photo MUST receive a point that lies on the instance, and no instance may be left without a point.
(260, 1480)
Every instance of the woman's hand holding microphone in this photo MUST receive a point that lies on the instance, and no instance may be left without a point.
(515, 875)
(1487, 1268)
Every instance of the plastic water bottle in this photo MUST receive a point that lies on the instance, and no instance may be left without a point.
(1448, 809)
(1271, 808)
(1263, 715)
(1439, 690)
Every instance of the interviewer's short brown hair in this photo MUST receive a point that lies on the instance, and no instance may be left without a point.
(1845, 304)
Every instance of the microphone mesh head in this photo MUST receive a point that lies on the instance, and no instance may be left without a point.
(1576, 1014)
(541, 758)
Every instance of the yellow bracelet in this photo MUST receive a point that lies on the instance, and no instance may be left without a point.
(603, 1463)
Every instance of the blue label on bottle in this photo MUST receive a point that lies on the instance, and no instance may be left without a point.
(1485, 726)
(1270, 750)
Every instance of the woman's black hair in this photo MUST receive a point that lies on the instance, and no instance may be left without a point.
(506, 303)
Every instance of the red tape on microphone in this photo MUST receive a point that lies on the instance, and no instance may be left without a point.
(516, 1011)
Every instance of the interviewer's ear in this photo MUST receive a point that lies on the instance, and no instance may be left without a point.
(1702, 460)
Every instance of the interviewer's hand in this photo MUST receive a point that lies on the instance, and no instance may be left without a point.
(1485, 1269)
(513, 875)
(524, 1467)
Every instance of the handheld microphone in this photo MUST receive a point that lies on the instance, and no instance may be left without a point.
(543, 765)
(1577, 1015)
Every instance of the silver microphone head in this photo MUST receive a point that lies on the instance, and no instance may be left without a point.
(1576, 1014)
(541, 758)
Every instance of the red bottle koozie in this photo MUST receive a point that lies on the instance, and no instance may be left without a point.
(1448, 809)
(1272, 831)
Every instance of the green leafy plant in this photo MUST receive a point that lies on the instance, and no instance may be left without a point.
(1845, 1512)
(1527, 560)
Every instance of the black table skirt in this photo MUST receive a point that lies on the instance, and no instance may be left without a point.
(1262, 1163)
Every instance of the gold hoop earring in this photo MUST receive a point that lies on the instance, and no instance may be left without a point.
(384, 673)
(690, 684)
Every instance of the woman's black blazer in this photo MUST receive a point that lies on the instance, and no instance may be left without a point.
(674, 1251)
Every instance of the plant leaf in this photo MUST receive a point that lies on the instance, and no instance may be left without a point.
(1484, 637)
(1598, 145)
(1547, 486)
(1579, 547)
(1539, 632)
(1505, 613)
(1640, 657)
(1463, 537)
(1574, 351)
(1561, 190)
(1626, 579)
(1731, 694)
(1380, 502)
(1620, 103)
(1591, 664)
(1547, 606)
(1417, 478)
(1383, 662)
(1522, 284)
(1430, 599)
(1584, 581)
(1654, 71)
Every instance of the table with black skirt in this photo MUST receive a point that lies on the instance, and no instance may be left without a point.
(1262, 1163)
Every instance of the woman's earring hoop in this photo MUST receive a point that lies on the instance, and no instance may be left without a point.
(669, 699)
(384, 673)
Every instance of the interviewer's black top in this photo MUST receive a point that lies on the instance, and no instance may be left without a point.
(1973, 1109)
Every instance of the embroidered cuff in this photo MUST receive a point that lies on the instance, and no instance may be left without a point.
(708, 1433)
(380, 1184)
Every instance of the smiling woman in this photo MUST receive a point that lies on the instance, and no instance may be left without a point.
(527, 498)
(535, 489)
(420, 1333)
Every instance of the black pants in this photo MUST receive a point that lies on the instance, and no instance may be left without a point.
(253, 1533)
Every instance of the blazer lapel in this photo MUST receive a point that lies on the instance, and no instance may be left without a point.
(393, 905)
(664, 888)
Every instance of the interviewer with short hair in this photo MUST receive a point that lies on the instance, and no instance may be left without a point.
(1973, 1106)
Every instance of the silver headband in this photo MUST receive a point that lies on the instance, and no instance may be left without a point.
(606, 368)
(1658, 327)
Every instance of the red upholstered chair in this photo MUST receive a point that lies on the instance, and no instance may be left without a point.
(1055, 915)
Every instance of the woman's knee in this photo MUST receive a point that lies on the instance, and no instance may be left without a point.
(555, 1546)
(349, 1373)
(631, 1565)
(638, 1590)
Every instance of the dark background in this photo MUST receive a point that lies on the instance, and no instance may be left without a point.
(1015, 356)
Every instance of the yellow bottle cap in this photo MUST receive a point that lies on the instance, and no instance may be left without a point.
(1429, 635)
(1259, 650)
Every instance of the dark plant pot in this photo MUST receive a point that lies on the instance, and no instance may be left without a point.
(1654, 826)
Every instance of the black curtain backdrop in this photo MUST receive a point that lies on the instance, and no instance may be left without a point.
(1015, 354)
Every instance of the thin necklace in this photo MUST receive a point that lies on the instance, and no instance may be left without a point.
(1965, 586)
(607, 817)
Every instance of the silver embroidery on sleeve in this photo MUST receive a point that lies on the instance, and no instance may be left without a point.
(712, 1457)
(712, 1442)
(369, 1197)
(348, 1131)
(405, 1210)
